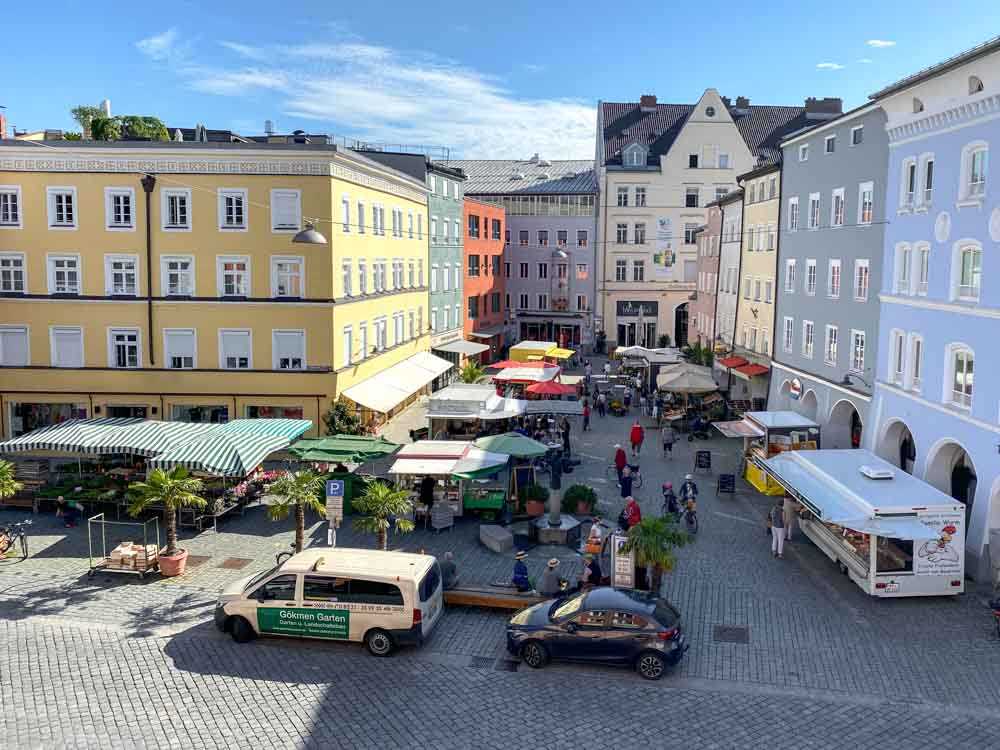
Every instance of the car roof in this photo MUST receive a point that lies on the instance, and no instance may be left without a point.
(606, 597)
(374, 563)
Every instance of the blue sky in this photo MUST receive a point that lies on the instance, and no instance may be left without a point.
(490, 81)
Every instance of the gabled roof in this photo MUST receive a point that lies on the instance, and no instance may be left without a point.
(528, 177)
(944, 66)
(762, 127)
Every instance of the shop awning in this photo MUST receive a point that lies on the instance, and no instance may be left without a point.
(896, 528)
(479, 463)
(384, 391)
(354, 449)
(548, 406)
(750, 371)
(559, 353)
(527, 374)
(551, 388)
(487, 333)
(221, 454)
(512, 444)
(424, 466)
(71, 436)
(467, 348)
(739, 428)
(732, 362)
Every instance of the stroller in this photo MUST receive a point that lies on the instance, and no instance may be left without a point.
(698, 428)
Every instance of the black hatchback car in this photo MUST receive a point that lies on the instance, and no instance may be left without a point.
(605, 625)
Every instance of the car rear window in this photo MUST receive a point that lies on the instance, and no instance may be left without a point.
(429, 583)
(375, 592)
(666, 615)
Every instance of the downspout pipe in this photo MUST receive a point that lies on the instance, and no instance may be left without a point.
(148, 184)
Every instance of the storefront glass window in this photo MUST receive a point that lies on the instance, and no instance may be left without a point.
(274, 412)
(27, 417)
(186, 413)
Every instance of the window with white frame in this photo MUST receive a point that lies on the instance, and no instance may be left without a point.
(288, 349)
(413, 325)
(689, 230)
(287, 276)
(347, 347)
(974, 165)
(961, 371)
(444, 231)
(233, 204)
(543, 302)
(772, 236)
(434, 319)
(235, 349)
(621, 270)
(14, 346)
(62, 207)
(793, 214)
(445, 325)
(904, 262)
(581, 302)
(640, 233)
(830, 144)
(897, 361)
(692, 197)
(434, 277)
(857, 351)
(409, 224)
(768, 291)
(64, 274)
(790, 275)
(916, 361)
(927, 175)
(804, 152)
(434, 229)
(638, 270)
(445, 277)
(177, 275)
(12, 273)
(923, 267)
(458, 276)
(175, 209)
(10, 206)
(522, 301)
(361, 217)
(345, 218)
(233, 272)
(808, 332)
(866, 202)
(861, 280)
(908, 184)
(622, 193)
(814, 210)
(180, 348)
(121, 274)
(381, 334)
(456, 235)
(747, 281)
(286, 210)
(752, 343)
(362, 340)
(66, 346)
(810, 276)
(123, 348)
(788, 333)
(765, 341)
(362, 276)
(398, 329)
(857, 135)
(968, 274)
(751, 240)
(119, 208)
(757, 286)
(833, 279)
(837, 208)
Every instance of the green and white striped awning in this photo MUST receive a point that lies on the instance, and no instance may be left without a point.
(232, 454)
(71, 436)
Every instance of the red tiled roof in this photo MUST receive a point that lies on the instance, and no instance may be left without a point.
(751, 370)
(732, 362)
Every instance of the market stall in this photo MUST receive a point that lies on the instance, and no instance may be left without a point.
(766, 434)
(894, 535)
(526, 350)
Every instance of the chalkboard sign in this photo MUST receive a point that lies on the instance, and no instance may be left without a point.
(703, 460)
(727, 484)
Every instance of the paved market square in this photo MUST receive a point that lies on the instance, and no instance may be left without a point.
(784, 653)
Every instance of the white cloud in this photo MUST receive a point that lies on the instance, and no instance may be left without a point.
(163, 47)
(532, 67)
(829, 66)
(376, 93)
(865, 60)
(879, 43)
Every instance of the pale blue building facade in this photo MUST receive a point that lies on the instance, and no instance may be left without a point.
(936, 403)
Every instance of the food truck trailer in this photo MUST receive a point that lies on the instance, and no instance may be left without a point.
(766, 434)
(894, 535)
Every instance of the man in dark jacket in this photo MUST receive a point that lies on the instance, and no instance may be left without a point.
(519, 579)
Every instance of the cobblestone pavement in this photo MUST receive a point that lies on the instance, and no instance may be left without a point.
(94, 662)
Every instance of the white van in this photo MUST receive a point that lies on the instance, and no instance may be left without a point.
(385, 599)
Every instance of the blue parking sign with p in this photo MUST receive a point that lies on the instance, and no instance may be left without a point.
(334, 487)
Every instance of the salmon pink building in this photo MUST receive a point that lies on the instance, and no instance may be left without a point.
(483, 285)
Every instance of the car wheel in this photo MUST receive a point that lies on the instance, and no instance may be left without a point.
(241, 630)
(534, 654)
(379, 643)
(651, 665)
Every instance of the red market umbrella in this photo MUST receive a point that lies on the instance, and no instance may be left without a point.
(551, 388)
(506, 364)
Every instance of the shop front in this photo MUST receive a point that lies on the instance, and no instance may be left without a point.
(637, 322)
(493, 339)
(766, 434)
(25, 416)
(565, 330)
(894, 535)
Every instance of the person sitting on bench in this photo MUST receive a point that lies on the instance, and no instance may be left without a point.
(550, 584)
(449, 572)
(519, 579)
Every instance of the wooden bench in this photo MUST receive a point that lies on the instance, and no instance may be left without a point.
(491, 597)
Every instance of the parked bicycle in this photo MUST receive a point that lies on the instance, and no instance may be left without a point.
(612, 473)
(13, 534)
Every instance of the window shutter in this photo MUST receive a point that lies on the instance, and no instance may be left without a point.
(14, 347)
(236, 344)
(285, 209)
(180, 344)
(68, 347)
(288, 345)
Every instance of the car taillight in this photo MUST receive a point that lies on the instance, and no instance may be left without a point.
(418, 617)
(667, 635)
(880, 585)
(956, 583)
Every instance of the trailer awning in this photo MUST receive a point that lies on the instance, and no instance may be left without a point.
(896, 528)
(739, 428)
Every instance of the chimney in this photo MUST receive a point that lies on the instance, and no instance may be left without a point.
(727, 101)
(742, 106)
(106, 107)
(3, 125)
(647, 103)
(826, 108)
(534, 158)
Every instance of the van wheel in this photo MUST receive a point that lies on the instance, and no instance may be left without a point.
(651, 665)
(241, 630)
(379, 643)
(534, 654)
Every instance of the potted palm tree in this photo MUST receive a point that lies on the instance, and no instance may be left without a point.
(471, 372)
(174, 489)
(653, 540)
(383, 507)
(296, 490)
(9, 486)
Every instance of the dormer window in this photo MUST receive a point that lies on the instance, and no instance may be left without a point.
(918, 106)
(975, 85)
(634, 156)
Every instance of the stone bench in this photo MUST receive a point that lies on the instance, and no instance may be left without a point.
(496, 538)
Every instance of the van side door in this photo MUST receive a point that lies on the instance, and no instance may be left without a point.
(326, 597)
(277, 603)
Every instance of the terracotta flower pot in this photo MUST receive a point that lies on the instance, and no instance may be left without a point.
(583, 508)
(174, 565)
(534, 507)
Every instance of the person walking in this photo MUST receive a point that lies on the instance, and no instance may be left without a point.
(626, 482)
(777, 530)
(607, 369)
(643, 404)
(656, 413)
(602, 404)
(564, 431)
(790, 510)
(586, 415)
(627, 399)
(636, 437)
(669, 437)
(621, 461)
(632, 512)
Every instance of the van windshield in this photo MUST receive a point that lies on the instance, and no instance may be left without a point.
(430, 581)
(260, 577)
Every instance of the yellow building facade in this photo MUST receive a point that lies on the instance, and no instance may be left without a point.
(754, 333)
(202, 308)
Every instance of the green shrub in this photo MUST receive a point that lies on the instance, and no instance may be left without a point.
(579, 493)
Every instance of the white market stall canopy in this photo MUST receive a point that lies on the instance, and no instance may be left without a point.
(462, 346)
(837, 487)
(384, 391)
(685, 377)
(664, 356)
(445, 458)
(229, 449)
(528, 374)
